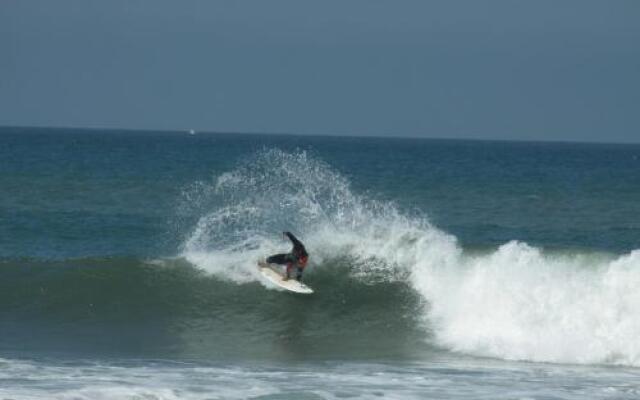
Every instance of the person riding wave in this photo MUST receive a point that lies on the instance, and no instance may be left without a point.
(297, 258)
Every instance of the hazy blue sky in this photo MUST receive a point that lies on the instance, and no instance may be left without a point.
(564, 70)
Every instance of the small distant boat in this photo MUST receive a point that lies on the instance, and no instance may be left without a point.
(192, 132)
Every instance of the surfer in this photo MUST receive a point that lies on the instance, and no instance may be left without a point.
(297, 258)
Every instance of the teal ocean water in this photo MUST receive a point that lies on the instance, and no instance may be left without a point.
(442, 269)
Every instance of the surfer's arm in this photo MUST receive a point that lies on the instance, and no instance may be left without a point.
(294, 240)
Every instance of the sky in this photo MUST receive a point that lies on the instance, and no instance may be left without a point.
(515, 70)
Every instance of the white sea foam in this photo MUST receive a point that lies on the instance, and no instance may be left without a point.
(448, 378)
(517, 302)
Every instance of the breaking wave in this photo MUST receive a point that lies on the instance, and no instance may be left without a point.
(515, 302)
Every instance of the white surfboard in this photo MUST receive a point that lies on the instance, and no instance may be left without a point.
(267, 270)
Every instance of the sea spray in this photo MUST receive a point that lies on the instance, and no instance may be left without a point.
(275, 191)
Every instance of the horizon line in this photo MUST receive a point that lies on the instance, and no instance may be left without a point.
(331, 135)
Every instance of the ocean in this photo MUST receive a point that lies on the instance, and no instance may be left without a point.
(442, 269)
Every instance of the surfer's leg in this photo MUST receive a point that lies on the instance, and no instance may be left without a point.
(278, 259)
(299, 274)
(287, 274)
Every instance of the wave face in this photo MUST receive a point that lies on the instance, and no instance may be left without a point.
(122, 307)
(517, 302)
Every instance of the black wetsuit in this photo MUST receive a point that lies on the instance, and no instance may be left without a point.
(296, 258)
